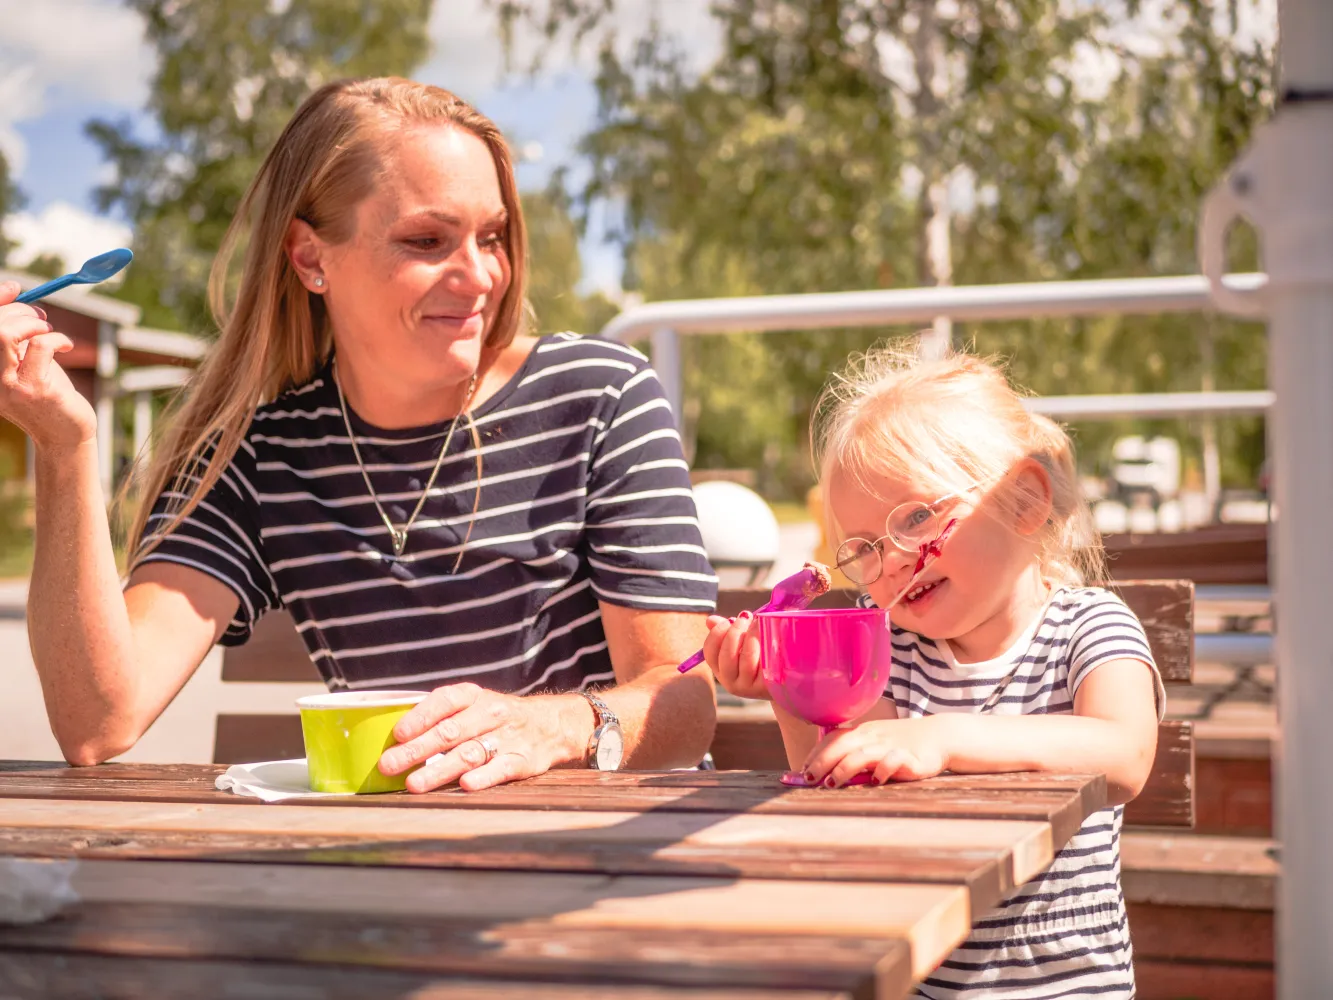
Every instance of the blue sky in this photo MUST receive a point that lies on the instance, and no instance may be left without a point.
(63, 62)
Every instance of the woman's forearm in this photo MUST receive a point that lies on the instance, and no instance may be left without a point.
(984, 744)
(78, 627)
(667, 719)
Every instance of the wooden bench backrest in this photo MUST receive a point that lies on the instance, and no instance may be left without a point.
(749, 739)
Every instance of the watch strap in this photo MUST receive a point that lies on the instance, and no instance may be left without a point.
(602, 714)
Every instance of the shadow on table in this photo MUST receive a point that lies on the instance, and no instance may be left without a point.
(632, 857)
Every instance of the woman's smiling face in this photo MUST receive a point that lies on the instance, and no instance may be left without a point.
(418, 284)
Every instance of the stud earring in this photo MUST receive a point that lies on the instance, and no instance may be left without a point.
(319, 282)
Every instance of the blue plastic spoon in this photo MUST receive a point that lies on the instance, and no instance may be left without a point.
(98, 268)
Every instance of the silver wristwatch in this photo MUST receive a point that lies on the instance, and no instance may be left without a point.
(606, 748)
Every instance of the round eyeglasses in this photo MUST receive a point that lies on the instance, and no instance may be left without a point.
(909, 526)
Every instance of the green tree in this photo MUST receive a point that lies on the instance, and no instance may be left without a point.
(555, 268)
(46, 265)
(1166, 131)
(229, 76)
(813, 154)
(11, 199)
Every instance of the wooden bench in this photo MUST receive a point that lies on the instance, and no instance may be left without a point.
(1200, 914)
(747, 735)
(1220, 553)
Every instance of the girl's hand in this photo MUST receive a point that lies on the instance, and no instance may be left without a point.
(35, 392)
(894, 749)
(733, 655)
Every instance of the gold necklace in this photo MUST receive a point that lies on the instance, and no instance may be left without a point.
(398, 536)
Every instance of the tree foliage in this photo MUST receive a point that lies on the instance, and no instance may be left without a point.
(10, 201)
(555, 268)
(229, 77)
(796, 162)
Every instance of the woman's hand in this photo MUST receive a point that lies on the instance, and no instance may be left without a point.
(733, 655)
(530, 735)
(894, 749)
(35, 392)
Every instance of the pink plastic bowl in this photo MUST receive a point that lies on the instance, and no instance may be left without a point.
(826, 666)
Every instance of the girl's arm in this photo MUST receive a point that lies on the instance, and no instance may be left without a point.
(1113, 731)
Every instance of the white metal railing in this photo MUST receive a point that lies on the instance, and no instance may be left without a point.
(1153, 404)
(664, 322)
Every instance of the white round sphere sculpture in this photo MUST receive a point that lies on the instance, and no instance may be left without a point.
(738, 527)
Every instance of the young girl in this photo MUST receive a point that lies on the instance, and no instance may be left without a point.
(1003, 659)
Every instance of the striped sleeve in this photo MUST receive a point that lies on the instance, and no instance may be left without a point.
(1105, 629)
(219, 538)
(645, 547)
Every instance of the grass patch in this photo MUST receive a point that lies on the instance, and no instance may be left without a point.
(790, 512)
(16, 557)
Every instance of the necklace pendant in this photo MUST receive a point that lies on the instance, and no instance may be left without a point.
(399, 536)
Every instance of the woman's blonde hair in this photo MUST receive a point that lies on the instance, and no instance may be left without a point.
(274, 333)
(947, 425)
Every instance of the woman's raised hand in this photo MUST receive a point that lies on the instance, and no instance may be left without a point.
(732, 653)
(35, 392)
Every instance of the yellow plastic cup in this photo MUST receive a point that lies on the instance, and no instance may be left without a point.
(345, 733)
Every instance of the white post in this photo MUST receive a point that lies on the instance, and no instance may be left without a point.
(104, 403)
(143, 422)
(666, 361)
(1284, 185)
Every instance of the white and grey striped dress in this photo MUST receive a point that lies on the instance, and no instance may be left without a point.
(1064, 933)
(585, 497)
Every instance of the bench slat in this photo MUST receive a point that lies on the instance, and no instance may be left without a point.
(752, 742)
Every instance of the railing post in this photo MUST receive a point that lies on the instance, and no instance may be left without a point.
(666, 361)
(1281, 183)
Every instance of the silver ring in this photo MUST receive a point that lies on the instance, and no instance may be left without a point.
(489, 747)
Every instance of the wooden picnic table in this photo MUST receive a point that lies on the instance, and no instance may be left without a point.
(634, 885)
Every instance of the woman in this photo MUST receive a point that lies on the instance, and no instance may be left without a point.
(440, 502)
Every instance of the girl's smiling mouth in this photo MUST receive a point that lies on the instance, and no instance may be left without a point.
(923, 593)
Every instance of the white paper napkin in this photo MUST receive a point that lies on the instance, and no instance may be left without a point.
(33, 890)
(270, 781)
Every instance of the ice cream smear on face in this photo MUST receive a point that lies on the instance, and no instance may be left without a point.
(928, 553)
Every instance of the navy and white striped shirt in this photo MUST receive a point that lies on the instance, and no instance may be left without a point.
(585, 497)
(1064, 933)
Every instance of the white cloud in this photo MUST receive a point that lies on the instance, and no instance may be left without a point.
(65, 230)
(57, 52)
(469, 59)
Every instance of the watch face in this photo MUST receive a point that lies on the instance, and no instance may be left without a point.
(610, 749)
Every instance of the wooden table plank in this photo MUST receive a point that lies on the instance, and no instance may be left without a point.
(681, 881)
(76, 976)
(989, 857)
(540, 908)
(1062, 800)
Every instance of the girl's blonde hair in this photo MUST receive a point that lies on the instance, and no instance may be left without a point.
(945, 426)
(274, 333)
